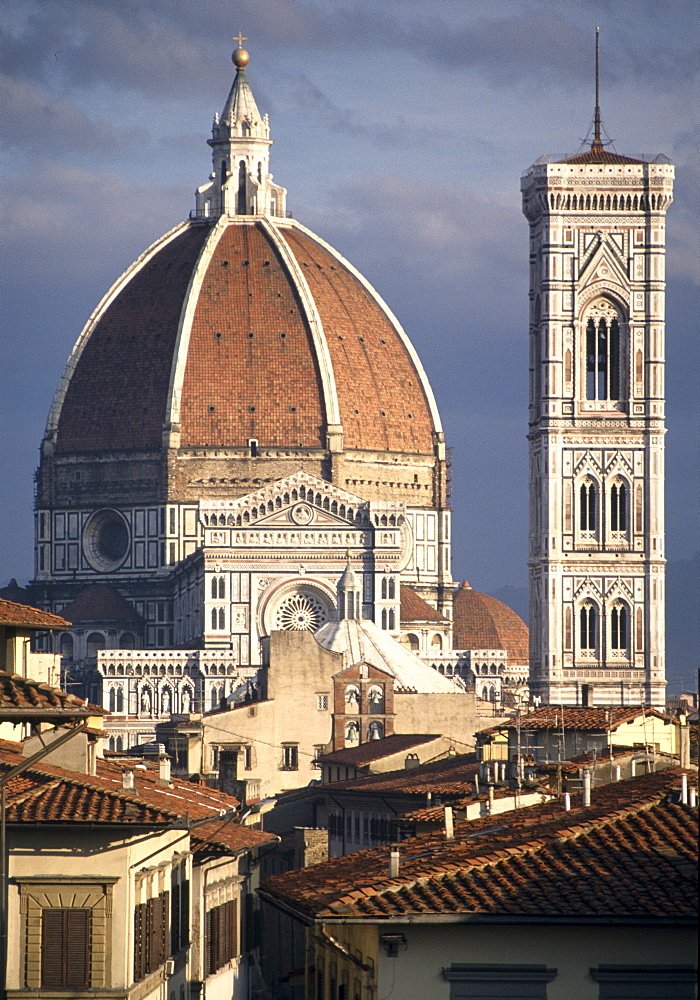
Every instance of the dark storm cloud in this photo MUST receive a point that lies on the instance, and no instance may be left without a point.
(34, 121)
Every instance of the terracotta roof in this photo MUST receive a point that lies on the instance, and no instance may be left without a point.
(415, 609)
(365, 753)
(101, 602)
(23, 697)
(251, 365)
(600, 155)
(22, 614)
(483, 622)
(452, 775)
(47, 794)
(117, 395)
(598, 719)
(630, 854)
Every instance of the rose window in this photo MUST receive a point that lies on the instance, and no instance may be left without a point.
(301, 613)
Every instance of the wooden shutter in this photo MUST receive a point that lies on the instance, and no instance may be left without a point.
(175, 917)
(51, 949)
(77, 928)
(139, 941)
(65, 949)
(184, 913)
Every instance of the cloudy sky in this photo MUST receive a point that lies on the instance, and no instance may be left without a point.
(401, 131)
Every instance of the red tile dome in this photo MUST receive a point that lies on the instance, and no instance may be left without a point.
(243, 329)
(483, 622)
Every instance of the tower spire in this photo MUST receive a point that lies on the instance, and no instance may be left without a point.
(597, 143)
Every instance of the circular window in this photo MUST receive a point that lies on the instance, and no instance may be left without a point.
(301, 613)
(106, 540)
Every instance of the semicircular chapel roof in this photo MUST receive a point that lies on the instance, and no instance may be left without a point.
(243, 329)
(361, 641)
(483, 622)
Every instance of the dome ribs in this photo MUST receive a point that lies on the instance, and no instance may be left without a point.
(251, 372)
(117, 395)
(377, 383)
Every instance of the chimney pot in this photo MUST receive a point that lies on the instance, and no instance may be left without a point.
(128, 779)
(684, 789)
(586, 787)
(567, 801)
(449, 823)
(164, 769)
(394, 861)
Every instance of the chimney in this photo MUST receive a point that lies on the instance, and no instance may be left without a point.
(476, 784)
(394, 861)
(616, 772)
(693, 797)
(586, 786)
(490, 799)
(684, 741)
(128, 780)
(449, 823)
(163, 769)
(567, 801)
(684, 789)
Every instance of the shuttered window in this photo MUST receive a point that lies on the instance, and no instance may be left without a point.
(222, 935)
(150, 935)
(180, 915)
(65, 949)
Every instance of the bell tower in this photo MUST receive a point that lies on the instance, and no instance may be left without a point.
(596, 425)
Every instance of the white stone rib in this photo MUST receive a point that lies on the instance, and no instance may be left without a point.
(312, 316)
(432, 405)
(184, 330)
(79, 347)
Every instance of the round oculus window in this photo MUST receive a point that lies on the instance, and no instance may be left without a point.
(106, 540)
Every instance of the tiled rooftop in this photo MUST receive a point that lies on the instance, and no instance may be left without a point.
(23, 614)
(449, 776)
(101, 602)
(22, 695)
(598, 719)
(415, 609)
(483, 622)
(365, 753)
(47, 794)
(631, 854)
(600, 155)
(252, 369)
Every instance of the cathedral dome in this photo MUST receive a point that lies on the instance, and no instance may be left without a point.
(240, 330)
(483, 622)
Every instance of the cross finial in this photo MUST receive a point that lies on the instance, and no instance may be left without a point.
(240, 39)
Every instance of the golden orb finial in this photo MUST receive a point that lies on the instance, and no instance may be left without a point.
(240, 57)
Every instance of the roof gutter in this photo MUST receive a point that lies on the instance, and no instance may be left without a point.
(533, 920)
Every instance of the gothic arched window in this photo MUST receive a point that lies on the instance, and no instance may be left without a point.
(618, 507)
(619, 627)
(589, 627)
(588, 505)
(603, 357)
